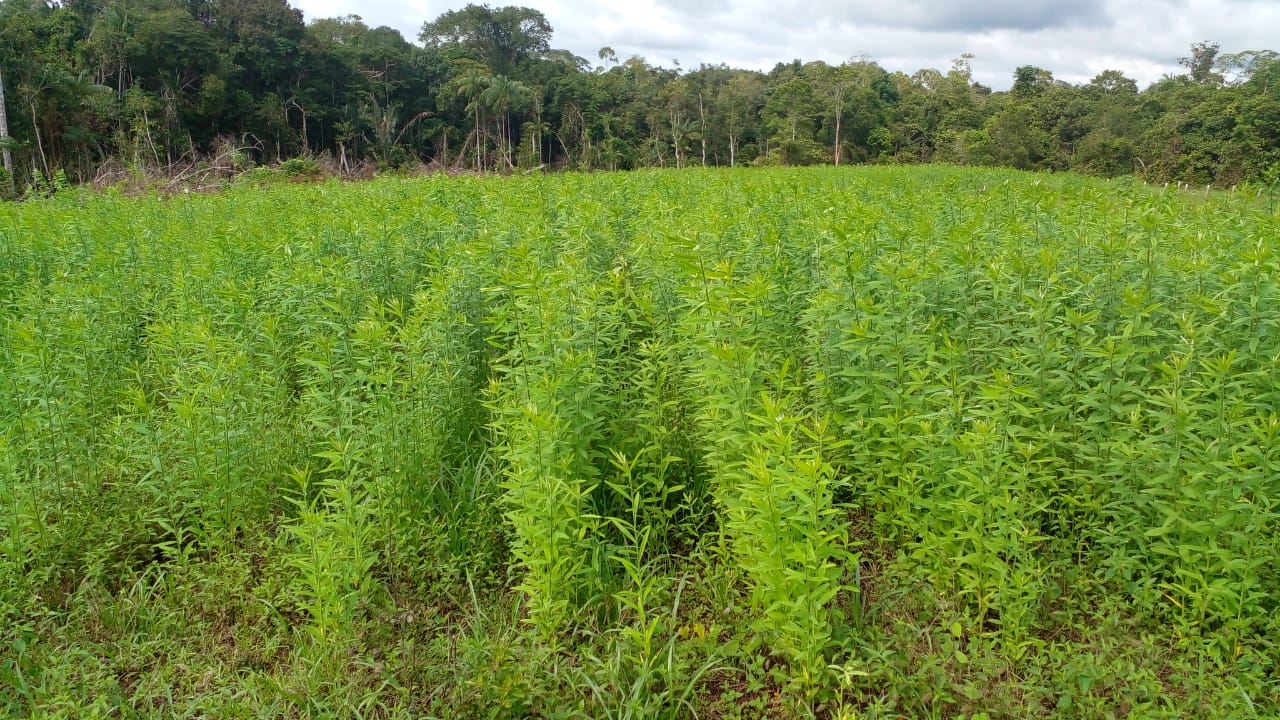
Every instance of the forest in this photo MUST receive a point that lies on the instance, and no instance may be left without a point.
(93, 90)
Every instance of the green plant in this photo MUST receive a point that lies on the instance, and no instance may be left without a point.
(300, 167)
(874, 442)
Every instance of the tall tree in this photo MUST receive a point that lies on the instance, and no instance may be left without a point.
(504, 95)
(835, 83)
(791, 112)
(501, 38)
(739, 101)
(856, 94)
(679, 96)
(1029, 81)
(472, 86)
(1114, 82)
(1200, 64)
(1248, 64)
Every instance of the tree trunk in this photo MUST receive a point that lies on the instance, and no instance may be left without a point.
(146, 125)
(837, 150)
(703, 114)
(35, 125)
(675, 138)
(537, 119)
(306, 144)
(4, 138)
(733, 141)
(511, 145)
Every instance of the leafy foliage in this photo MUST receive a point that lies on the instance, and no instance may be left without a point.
(818, 442)
(196, 92)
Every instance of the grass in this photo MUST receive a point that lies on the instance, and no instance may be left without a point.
(795, 443)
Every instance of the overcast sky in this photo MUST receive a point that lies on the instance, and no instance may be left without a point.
(1076, 39)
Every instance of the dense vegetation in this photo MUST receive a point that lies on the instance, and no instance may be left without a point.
(871, 442)
(200, 89)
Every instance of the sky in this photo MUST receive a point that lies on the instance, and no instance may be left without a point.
(1075, 39)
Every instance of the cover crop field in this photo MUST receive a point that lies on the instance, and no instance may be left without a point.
(832, 442)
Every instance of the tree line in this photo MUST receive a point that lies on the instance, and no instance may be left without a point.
(89, 84)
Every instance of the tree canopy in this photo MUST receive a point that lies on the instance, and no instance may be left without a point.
(501, 38)
(156, 83)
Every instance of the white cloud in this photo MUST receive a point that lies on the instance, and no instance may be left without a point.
(1076, 40)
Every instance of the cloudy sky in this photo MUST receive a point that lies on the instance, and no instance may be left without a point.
(1076, 39)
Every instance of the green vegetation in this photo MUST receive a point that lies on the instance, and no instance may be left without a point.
(190, 93)
(818, 442)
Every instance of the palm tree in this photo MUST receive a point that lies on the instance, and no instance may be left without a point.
(540, 128)
(383, 120)
(502, 97)
(472, 86)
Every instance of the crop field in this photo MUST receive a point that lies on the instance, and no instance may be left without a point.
(792, 443)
